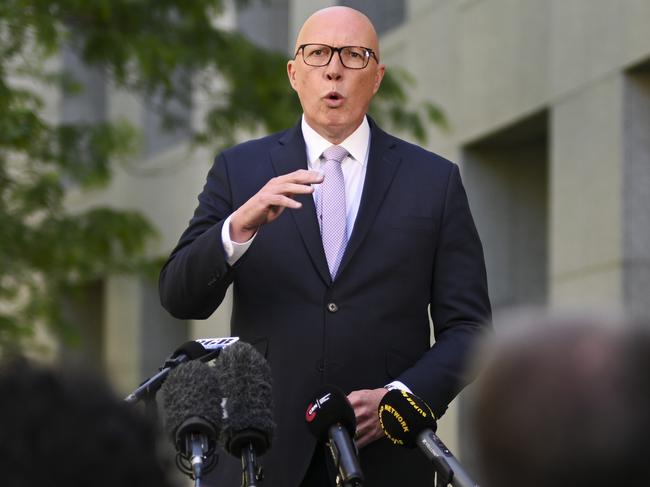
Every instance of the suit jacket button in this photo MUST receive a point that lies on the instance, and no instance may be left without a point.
(332, 307)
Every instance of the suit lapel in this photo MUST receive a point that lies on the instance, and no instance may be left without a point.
(288, 156)
(382, 166)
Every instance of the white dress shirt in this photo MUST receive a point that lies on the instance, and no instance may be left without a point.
(354, 173)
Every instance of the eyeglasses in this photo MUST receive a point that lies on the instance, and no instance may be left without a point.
(352, 57)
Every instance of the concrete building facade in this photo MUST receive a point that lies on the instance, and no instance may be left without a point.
(548, 107)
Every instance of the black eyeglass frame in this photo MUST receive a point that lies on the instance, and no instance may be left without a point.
(369, 54)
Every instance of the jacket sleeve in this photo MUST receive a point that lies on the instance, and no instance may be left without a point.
(459, 305)
(195, 278)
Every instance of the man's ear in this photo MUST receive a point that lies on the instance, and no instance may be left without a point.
(379, 75)
(291, 73)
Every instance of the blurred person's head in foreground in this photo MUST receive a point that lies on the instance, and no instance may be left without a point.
(566, 403)
(63, 429)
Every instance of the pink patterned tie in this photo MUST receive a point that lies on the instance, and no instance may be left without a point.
(332, 208)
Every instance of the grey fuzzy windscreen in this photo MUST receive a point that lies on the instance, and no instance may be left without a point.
(245, 378)
(191, 389)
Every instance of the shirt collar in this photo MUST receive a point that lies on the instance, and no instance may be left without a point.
(356, 144)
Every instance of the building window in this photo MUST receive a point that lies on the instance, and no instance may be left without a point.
(384, 14)
(167, 121)
(85, 103)
(266, 24)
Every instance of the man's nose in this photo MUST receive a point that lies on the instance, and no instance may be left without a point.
(334, 69)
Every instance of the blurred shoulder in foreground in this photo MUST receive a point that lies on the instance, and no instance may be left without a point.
(566, 403)
(61, 428)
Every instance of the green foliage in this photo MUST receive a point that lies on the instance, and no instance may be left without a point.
(141, 46)
(391, 107)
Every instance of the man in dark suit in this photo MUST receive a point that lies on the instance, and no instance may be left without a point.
(359, 319)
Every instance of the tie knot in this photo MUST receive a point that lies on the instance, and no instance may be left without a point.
(335, 153)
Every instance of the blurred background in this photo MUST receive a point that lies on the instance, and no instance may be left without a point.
(111, 113)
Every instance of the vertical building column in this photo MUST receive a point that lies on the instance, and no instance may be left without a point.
(122, 332)
(139, 334)
(636, 191)
(586, 196)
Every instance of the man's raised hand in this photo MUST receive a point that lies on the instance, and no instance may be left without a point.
(270, 201)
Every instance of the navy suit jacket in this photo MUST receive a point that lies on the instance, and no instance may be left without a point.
(414, 250)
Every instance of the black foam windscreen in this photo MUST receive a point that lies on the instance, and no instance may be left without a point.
(192, 349)
(245, 378)
(403, 416)
(191, 390)
(328, 407)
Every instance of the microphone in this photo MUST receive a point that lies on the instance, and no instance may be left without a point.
(191, 399)
(331, 419)
(408, 421)
(245, 379)
(204, 348)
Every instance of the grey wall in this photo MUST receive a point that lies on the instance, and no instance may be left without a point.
(266, 23)
(506, 179)
(385, 14)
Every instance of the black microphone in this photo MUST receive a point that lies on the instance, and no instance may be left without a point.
(245, 379)
(330, 418)
(408, 421)
(204, 349)
(193, 416)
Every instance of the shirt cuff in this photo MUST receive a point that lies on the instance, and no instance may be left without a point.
(398, 385)
(234, 250)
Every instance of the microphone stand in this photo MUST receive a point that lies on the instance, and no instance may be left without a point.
(252, 475)
(448, 470)
(443, 474)
(348, 471)
(147, 390)
(246, 444)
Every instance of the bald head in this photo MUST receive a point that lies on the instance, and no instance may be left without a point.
(335, 97)
(338, 26)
